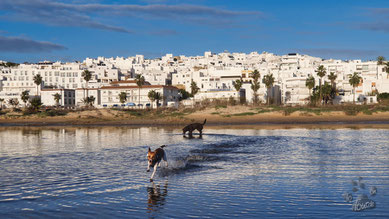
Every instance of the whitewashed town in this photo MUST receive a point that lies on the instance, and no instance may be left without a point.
(213, 75)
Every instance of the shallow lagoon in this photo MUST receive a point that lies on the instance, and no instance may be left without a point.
(101, 172)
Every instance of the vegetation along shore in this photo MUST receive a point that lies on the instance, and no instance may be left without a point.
(217, 113)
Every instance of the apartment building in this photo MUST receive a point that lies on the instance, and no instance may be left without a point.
(68, 97)
(213, 73)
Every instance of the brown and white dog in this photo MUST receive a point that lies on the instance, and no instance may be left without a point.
(191, 127)
(154, 159)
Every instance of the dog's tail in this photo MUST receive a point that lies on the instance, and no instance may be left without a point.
(205, 120)
(163, 146)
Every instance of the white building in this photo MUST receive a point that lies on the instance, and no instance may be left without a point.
(213, 73)
(138, 97)
(68, 97)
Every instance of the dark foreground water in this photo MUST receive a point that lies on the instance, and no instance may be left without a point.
(101, 172)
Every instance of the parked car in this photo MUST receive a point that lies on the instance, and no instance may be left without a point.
(131, 104)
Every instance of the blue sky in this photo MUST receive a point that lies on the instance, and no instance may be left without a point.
(68, 30)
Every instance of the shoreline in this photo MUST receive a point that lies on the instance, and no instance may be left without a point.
(235, 118)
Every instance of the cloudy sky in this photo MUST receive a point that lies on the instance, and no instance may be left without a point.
(68, 30)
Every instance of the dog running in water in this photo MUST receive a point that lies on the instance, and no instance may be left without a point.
(191, 127)
(154, 159)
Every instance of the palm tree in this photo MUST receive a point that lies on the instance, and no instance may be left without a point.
(355, 79)
(327, 92)
(310, 83)
(123, 97)
(151, 96)
(36, 103)
(321, 72)
(140, 81)
(332, 77)
(14, 102)
(89, 100)
(57, 98)
(157, 97)
(1, 103)
(87, 75)
(238, 83)
(268, 80)
(255, 85)
(380, 60)
(25, 95)
(38, 81)
(194, 89)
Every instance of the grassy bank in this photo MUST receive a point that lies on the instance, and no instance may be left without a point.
(215, 112)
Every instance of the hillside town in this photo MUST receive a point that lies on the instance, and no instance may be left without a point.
(211, 76)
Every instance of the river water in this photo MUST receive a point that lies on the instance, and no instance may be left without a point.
(251, 173)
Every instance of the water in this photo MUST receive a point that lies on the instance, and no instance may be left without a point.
(101, 172)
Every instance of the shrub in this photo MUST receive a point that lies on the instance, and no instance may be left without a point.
(231, 101)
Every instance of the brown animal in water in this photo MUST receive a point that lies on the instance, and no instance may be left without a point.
(194, 126)
(154, 159)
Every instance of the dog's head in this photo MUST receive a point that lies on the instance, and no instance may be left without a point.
(185, 129)
(151, 158)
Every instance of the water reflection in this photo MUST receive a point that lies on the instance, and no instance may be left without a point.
(229, 172)
(192, 137)
(156, 197)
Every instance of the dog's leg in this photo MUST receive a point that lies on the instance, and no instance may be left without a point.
(155, 170)
(148, 167)
(165, 159)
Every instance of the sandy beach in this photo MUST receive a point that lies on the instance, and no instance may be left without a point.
(229, 116)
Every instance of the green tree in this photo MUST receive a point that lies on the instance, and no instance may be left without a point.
(38, 81)
(268, 80)
(87, 75)
(238, 83)
(57, 98)
(14, 102)
(151, 96)
(327, 92)
(310, 83)
(183, 94)
(36, 103)
(332, 77)
(194, 89)
(122, 97)
(380, 60)
(321, 72)
(140, 81)
(255, 85)
(157, 97)
(89, 101)
(25, 96)
(354, 81)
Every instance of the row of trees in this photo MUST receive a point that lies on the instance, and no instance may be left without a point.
(268, 80)
(326, 92)
(152, 95)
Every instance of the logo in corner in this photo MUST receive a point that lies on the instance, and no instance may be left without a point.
(363, 202)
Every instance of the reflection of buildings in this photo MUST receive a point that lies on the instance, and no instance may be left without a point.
(156, 197)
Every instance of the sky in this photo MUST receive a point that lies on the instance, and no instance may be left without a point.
(70, 30)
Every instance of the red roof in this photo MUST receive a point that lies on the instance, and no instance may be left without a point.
(144, 86)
